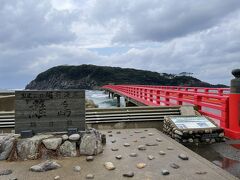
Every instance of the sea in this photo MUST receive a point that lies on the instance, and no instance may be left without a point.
(100, 98)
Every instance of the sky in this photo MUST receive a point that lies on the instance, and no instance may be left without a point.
(166, 36)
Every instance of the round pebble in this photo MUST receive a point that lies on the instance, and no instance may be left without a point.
(128, 174)
(113, 141)
(151, 144)
(183, 156)
(169, 148)
(159, 140)
(109, 165)
(133, 155)
(201, 172)
(162, 153)
(141, 165)
(126, 144)
(56, 177)
(118, 157)
(150, 134)
(89, 176)
(165, 172)
(141, 147)
(114, 149)
(137, 131)
(151, 157)
(77, 168)
(89, 158)
(174, 166)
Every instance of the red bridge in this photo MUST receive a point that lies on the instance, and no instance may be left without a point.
(216, 103)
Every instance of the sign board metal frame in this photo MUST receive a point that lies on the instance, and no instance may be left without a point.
(170, 118)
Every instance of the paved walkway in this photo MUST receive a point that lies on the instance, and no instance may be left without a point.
(196, 168)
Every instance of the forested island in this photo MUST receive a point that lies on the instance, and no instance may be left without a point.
(93, 77)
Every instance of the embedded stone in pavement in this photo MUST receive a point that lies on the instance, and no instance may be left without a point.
(133, 154)
(183, 156)
(165, 172)
(128, 174)
(109, 165)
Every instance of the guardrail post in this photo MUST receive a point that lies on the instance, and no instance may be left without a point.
(234, 107)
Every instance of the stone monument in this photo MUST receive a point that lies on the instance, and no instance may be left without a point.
(49, 111)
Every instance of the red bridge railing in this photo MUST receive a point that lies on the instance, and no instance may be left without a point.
(212, 102)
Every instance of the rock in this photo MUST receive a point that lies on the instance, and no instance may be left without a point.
(118, 157)
(201, 172)
(89, 176)
(221, 134)
(114, 149)
(6, 146)
(52, 143)
(151, 157)
(74, 137)
(170, 148)
(174, 166)
(109, 165)
(118, 132)
(126, 144)
(77, 168)
(178, 132)
(128, 174)
(159, 140)
(56, 177)
(151, 144)
(45, 166)
(89, 158)
(183, 156)
(142, 137)
(145, 129)
(5, 172)
(162, 153)
(165, 172)
(137, 131)
(110, 135)
(64, 137)
(109, 131)
(91, 143)
(150, 134)
(28, 148)
(68, 149)
(141, 147)
(113, 141)
(141, 165)
(135, 140)
(13, 179)
(133, 154)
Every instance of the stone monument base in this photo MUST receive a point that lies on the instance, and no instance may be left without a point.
(54, 145)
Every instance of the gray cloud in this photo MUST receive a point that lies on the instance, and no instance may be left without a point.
(202, 37)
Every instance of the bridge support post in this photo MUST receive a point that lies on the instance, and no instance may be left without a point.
(234, 107)
(129, 103)
(118, 101)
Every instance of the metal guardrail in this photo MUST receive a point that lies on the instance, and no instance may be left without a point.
(111, 115)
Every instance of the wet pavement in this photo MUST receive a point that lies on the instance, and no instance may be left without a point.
(225, 155)
(145, 153)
